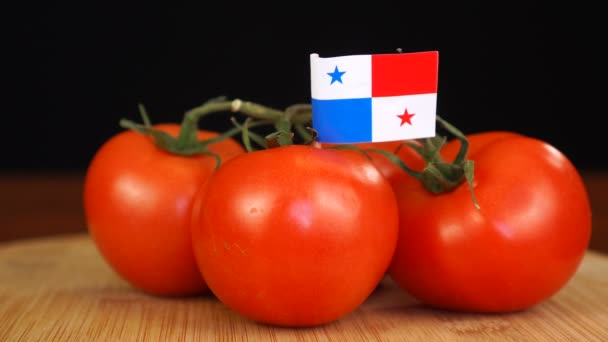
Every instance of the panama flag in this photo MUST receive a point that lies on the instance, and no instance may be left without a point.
(372, 98)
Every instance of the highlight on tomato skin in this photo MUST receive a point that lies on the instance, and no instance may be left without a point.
(523, 244)
(137, 202)
(295, 236)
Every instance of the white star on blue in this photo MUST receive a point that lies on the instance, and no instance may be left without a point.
(336, 75)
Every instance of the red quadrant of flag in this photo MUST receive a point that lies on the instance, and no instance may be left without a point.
(404, 73)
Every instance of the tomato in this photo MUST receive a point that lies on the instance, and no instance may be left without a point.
(391, 171)
(476, 141)
(295, 235)
(137, 201)
(520, 248)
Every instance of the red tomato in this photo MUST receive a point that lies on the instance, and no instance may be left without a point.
(520, 248)
(391, 171)
(138, 200)
(295, 235)
(476, 141)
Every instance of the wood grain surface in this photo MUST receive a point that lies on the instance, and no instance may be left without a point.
(60, 289)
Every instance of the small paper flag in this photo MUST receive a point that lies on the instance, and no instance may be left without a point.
(373, 98)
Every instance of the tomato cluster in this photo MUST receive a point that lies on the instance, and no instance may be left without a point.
(300, 235)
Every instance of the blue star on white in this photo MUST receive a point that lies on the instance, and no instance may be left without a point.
(336, 76)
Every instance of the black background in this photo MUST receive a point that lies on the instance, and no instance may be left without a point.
(74, 70)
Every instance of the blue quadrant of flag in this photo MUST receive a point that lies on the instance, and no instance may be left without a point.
(355, 113)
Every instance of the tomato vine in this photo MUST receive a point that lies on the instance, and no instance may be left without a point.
(438, 176)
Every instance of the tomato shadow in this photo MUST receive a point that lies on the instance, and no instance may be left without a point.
(206, 296)
(390, 301)
(388, 296)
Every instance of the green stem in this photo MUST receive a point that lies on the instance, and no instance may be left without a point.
(233, 131)
(189, 128)
(302, 113)
(144, 115)
(247, 135)
(193, 116)
(255, 110)
(439, 176)
(304, 133)
(395, 159)
(160, 138)
(284, 124)
(464, 143)
(469, 170)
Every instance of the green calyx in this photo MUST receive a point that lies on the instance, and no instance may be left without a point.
(294, 117)
(187, 143)
(440, 176)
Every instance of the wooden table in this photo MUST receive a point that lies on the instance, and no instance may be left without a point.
(60, 289)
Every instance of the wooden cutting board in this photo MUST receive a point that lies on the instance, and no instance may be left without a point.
(60, 289)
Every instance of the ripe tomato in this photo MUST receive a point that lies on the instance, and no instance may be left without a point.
(391, 171)
(521, 247)
(295, 235)
(476, 141)
(137, 201)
